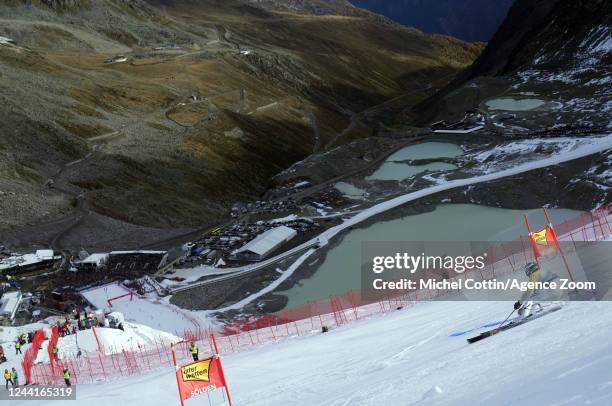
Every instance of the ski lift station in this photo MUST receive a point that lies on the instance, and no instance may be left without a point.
(264, 244)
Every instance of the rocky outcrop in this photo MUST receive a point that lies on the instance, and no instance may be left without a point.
(535, 31)
(559, 43)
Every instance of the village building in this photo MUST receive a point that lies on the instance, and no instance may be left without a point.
(264, 244)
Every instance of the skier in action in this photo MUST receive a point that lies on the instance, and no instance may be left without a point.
(525, 305)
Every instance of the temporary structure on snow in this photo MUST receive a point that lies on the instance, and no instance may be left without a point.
(28, 262)
(265, 243)
(92, 262)
(9, 304)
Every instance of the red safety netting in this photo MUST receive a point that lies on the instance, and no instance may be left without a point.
(30, 355)
(504, 259)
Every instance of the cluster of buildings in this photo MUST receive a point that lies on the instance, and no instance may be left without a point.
(42, 283)
(117, 261)
(14, 264)
(246, 242)
(472, 121)
(263, 206)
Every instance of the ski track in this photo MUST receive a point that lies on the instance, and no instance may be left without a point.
(406, 358)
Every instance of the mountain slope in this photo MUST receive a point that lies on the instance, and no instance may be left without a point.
(553, 34)
(214, 99)
(560, 49)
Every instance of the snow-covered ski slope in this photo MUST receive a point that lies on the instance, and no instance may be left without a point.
(156, 314)
(409, 358)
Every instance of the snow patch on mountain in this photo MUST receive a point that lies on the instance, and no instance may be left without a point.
(514, 152)
(598, 41)
(587, 63)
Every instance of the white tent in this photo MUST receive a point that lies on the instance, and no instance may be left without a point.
(262, 245)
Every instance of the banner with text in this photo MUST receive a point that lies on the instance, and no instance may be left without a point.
(200, 377)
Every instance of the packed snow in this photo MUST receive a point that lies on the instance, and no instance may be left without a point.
(112, 340)
(156, 313)
(409, 357)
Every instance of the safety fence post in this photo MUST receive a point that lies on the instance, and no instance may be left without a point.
(338, 310)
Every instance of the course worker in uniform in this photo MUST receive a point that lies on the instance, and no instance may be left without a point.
(15, 377)
(193, 348)
(8, 377)
(67, 376)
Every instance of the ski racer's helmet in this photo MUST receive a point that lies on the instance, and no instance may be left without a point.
(530, 268)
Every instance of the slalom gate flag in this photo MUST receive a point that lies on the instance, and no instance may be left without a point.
(200, 377)
(544, 241)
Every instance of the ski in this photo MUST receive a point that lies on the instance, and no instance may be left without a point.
(486, 325)
(512, 324)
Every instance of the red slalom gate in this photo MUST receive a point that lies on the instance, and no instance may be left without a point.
(112, 299)
(505, 259)
(309, 318)
(30, 355)
(52, 344)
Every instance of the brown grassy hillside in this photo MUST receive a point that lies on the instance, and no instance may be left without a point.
(216, 97)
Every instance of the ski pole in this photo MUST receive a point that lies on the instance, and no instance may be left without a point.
(504, 322)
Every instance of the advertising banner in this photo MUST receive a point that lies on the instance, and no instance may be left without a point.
(200, 377)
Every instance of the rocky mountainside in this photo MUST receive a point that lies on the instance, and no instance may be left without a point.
(549, 34)
(317, 7)
(555, 55)
(560, 49)
(131, 121)
(470, 20)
